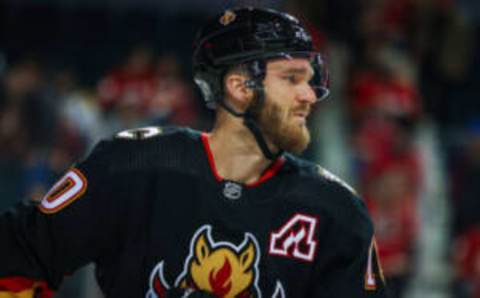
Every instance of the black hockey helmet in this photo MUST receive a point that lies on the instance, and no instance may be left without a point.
(250, 37)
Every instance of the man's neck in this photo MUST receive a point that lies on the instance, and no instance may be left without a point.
(236, 153)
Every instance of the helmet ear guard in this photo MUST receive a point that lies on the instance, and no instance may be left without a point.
(209, 88)
(210, 81)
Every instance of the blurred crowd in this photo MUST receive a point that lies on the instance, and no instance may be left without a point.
(408, 61)
(48, 120)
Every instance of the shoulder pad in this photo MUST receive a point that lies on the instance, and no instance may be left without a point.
(147, 148)
(331, 177)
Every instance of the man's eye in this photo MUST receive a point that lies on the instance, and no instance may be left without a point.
(291, 79)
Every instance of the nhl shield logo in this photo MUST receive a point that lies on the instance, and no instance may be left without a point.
(228, 17)
(232, 190)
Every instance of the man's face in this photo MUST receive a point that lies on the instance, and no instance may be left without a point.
(288, 101)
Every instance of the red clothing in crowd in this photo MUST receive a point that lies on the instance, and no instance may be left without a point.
(467, 258)
(123, 88)
(395, 230)
(373, 93)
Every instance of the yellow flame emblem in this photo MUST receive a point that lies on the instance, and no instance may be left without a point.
(221, 268)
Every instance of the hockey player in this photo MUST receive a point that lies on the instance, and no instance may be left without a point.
(173, 212)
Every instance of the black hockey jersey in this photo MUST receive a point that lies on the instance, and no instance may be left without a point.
(149, 209)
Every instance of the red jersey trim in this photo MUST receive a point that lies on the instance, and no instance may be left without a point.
(18, 284)
(269, 173)
(15, 284)
(211, 161)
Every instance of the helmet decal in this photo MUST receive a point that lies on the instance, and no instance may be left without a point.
(228, 17)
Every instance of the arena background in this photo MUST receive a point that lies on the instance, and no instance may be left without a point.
(402, 124)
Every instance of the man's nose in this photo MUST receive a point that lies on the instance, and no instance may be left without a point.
(306, 94)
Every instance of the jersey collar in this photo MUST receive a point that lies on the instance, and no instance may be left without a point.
(267, 174)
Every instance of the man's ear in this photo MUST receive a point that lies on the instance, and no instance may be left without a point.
(237, 92)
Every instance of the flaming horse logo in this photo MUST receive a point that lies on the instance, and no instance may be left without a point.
(221, 268)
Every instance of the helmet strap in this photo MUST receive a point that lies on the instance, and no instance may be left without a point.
(255, 68)
(229, 109)
(252, 125)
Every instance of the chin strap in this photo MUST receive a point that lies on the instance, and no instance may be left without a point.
(252, 125)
